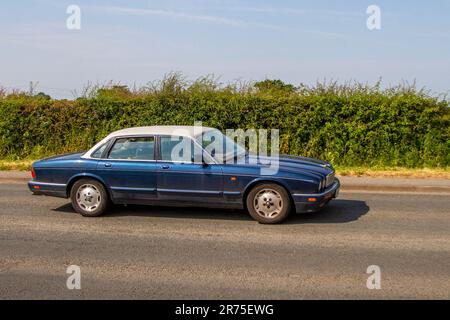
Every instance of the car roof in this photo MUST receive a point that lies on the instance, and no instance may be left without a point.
(185, 131)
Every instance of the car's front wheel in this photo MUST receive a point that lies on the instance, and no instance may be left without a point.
(89, 197)
(268, 203)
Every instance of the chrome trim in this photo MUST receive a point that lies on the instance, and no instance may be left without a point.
(268, 178)
(121, 160)
(47, 183)
(232, 193)
(332, 188)
(132, 189)
(152, 161)
(140, 160)
(183, 162)
(170, 170)
(189, 191)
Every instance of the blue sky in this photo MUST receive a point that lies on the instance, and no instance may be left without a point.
(296, 41)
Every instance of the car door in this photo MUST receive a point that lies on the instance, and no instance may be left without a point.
(182, 176)
(129, 169)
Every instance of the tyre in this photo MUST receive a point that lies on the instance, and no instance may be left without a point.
(89, 197)
(268, 203)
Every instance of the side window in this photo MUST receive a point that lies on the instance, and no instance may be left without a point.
(133, 149)
(97, 154)
(177, 149)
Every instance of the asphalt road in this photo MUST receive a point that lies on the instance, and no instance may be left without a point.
(173, 253)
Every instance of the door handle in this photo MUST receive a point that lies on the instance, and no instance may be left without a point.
(165, 167)
(107, 165)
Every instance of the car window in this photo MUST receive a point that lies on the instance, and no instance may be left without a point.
(179, 149)
(219, 146)
(133, 149)
(97, 154)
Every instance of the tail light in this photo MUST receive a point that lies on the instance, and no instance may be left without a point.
(33, 173)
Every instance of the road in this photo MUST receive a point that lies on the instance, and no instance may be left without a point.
(177, 253)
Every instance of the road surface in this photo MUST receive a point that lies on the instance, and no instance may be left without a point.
(177, 253)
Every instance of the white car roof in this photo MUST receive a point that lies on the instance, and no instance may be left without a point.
(184, 131)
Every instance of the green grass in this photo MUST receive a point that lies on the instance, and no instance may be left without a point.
(25, 165)
(22, 165)
(353, 125)
(393, 172)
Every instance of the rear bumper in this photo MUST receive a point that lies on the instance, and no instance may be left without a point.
(304, 202)
(48, 189)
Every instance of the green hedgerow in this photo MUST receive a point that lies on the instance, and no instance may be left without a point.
(349, 125)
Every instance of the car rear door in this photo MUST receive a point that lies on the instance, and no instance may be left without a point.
(129, 169)
(182, 176)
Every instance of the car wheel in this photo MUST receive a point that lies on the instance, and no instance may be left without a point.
(89, 197)
(268, 203)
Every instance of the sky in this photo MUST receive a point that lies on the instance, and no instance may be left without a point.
(134, 42)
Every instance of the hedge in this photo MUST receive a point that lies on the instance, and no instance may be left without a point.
(347, 125)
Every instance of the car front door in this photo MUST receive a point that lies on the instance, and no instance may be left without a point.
(183, 176)
(129, 169)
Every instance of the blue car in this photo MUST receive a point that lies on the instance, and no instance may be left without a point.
(177, 165)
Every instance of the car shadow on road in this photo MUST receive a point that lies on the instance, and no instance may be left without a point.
(167, 212)
(338, 211)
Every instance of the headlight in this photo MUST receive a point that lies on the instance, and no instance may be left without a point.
(330, 179)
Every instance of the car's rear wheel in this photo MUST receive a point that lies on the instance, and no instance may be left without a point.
(89, 197)
(268, 203)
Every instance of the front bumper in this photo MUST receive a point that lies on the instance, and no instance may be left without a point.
(48, 189)
(314, 202)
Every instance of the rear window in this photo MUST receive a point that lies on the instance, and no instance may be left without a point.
(97, 154)
(133, 149)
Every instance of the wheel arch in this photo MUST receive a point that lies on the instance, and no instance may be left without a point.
(258, 181)
(77, 177)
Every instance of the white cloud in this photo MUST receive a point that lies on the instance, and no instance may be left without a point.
(175, 14)
(208, 19)
(297, 11)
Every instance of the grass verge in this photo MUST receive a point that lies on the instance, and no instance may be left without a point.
(394, 172)
(25, 165)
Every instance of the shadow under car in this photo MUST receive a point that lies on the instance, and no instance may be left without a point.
(337, 211)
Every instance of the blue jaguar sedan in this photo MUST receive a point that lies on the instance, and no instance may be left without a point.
(175, 165)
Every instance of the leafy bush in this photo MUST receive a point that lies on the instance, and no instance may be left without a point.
(351, 125)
